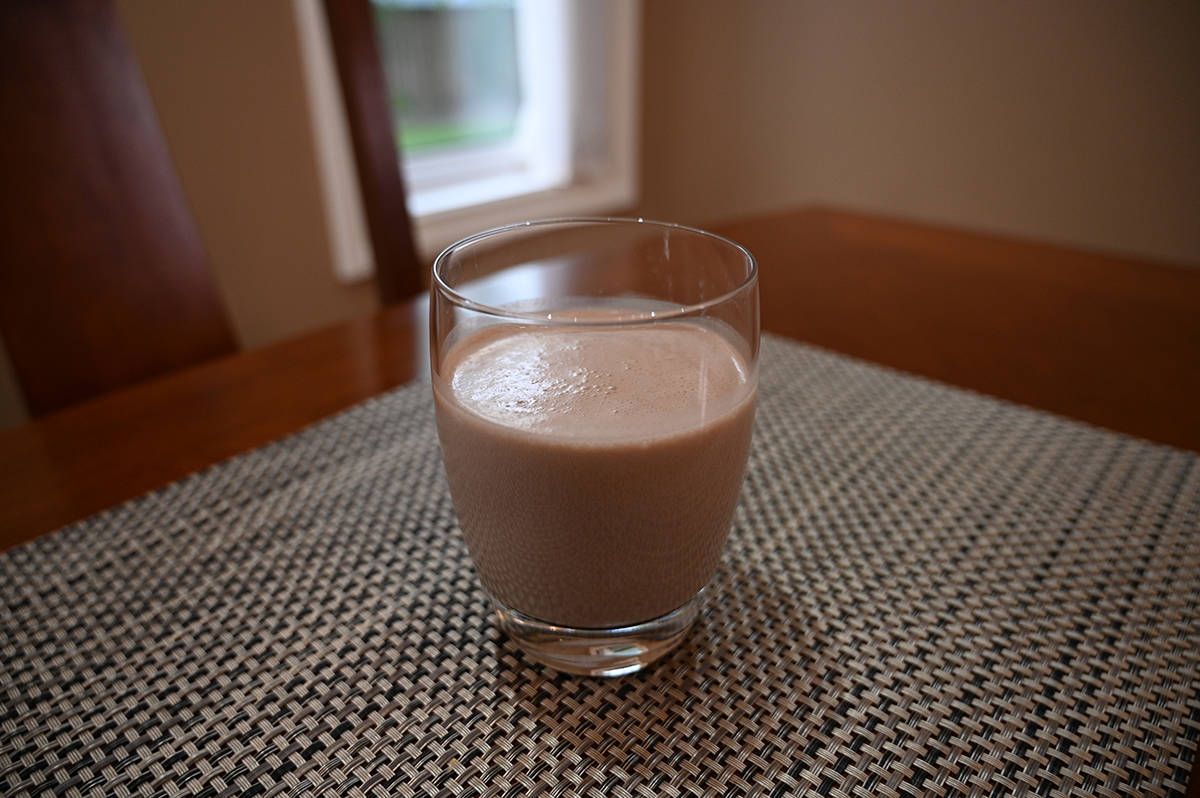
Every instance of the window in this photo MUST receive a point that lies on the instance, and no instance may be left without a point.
(506, 110)
(480, 97)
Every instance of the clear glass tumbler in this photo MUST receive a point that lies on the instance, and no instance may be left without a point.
(595, 382)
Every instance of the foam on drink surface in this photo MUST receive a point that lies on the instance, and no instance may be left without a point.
(599, 384)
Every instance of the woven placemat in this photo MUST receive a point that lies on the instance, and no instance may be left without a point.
(926, 592)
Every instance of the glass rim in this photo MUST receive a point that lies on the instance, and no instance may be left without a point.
(634, 317)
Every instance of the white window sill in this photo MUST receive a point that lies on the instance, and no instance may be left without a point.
(436, 230)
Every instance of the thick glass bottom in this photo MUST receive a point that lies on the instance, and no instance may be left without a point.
(598, 652)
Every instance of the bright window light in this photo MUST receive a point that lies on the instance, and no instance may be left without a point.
(480, 93)
(506, 110)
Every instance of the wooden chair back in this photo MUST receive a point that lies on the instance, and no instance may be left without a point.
(104, 280)
(398, 270)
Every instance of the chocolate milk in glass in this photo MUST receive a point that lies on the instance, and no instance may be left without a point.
(595, 469)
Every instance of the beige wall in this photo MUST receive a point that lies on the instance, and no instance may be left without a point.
(1074, 121)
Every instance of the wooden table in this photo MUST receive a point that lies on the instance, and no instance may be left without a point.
(1112, 341)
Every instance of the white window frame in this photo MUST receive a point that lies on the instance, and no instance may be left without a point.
(560, 185)
(538, 156)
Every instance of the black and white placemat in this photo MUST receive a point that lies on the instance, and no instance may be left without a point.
(926, 592)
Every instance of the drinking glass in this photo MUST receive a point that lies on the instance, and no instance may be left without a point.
(595, 381)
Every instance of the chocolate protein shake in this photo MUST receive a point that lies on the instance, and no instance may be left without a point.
(595, 469)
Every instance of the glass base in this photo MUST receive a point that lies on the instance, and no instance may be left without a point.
(598, 652)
